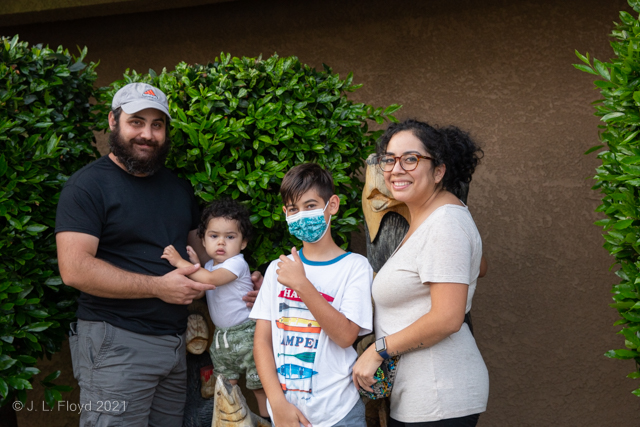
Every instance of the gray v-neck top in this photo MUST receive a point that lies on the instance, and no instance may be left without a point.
(449, 379)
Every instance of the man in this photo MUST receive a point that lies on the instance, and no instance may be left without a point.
(114, 218)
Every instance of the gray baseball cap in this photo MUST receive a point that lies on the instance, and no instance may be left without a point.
(136, 97)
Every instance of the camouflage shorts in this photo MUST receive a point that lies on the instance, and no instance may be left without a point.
(232, 353)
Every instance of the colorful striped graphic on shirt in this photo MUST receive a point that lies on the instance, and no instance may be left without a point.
(284, 307)
(307, 356)
(298, 324)
(290, 294)
(295, 372)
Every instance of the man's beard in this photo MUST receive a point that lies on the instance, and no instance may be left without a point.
(125, 153)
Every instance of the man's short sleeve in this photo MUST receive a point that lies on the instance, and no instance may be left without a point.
(356, 301)
(79, 211)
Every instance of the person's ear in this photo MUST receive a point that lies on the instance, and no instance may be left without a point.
(244, 244)
(334, 204)
(439, 173)
(112, 121)
(284, 209)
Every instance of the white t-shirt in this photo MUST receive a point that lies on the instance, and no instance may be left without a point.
(226, 307)
(315, 371)
(449, 379)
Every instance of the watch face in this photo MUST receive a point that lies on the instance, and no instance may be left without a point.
(381, 345)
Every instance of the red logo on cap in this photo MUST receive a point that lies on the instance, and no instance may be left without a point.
(150, 92)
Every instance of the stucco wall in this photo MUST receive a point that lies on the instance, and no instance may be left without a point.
(500, 69)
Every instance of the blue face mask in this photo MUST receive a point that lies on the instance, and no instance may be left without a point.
(309, 226)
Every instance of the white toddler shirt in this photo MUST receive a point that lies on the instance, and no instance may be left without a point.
(226, 307)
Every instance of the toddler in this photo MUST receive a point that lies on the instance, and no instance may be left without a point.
(225, 230)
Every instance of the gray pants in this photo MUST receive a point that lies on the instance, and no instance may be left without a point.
(128, 379)
(355, 417)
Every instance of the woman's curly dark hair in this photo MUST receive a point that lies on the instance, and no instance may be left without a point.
(449, 146)
(228, 209)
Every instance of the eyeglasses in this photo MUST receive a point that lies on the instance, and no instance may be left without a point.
(408, 162)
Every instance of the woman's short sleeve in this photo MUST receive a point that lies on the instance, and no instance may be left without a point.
(447, 252)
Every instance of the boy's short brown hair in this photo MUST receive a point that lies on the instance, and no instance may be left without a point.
(302, 178)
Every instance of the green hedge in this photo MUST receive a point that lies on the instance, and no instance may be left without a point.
(618, 178)
(240, 123)
(45, 136)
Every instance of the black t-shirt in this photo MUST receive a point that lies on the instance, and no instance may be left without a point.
(135, 218)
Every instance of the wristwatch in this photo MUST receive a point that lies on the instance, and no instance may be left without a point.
(381, 347)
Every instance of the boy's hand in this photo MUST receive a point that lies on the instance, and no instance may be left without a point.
(291, 272)
(193, 256)
(171, 254)
(286, 414)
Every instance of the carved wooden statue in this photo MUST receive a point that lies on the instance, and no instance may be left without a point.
(198, 410)
(231, 409)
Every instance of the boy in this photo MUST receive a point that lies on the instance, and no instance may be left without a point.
(225, 230)
(311, 308)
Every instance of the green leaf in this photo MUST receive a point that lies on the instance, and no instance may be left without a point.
(392, 109)
(621, 225)
(621, 354)
(38, 327)
(53, 281)
(77, 66)
(4, 389)
(19, 383)
(53, 143)
(29, 99)
(52, 377)
(52, 396)
(38, 313)
(585, 68)
(6, 362)
(3, 165)
(36, 228)
(582, 57)
(26, 359)
(610, 116)
(592, 149)
(602, 69)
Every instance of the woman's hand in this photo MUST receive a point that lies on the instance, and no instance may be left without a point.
(366, 365)
(286, 414)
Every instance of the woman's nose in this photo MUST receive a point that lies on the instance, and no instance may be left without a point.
(397, 168)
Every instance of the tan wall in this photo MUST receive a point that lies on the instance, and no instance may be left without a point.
(501, 69)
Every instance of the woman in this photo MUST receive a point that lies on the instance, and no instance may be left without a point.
(425, 288)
